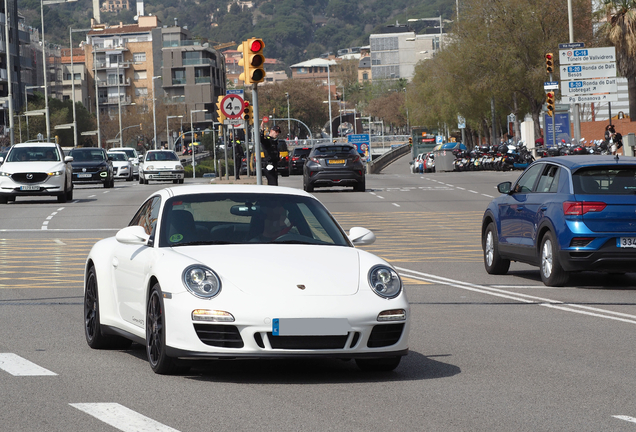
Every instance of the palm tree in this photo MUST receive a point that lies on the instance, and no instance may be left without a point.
(620, 30)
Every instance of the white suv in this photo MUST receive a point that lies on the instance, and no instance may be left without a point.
(33, 169)
(161, 165)
(133, 157)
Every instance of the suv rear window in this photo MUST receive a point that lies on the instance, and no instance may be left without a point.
(605, 181)
(334, 149)
(301, 151)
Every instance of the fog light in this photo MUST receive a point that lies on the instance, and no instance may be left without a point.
(103, 174)
(392, 315)
(211, 315)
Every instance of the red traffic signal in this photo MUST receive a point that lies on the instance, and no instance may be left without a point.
(549, 63)
(253, 61)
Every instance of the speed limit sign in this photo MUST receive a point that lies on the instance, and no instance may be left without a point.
(232, 106)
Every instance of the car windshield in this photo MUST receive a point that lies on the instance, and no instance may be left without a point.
(129, 152)
(332, 150)
(241, 218)
(162, 156)
(33, 154)
(121, 157)
(87, 155)
(614, 180)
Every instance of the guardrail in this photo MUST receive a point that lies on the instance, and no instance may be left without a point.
(378, 164)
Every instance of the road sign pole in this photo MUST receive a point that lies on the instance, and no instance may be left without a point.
(257, 137)
(225, 140)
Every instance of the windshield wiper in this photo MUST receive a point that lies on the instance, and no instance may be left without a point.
(203, 242)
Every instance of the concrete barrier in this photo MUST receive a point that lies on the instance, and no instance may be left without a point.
(378, 164)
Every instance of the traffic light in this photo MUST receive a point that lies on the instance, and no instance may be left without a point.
(410, 141)
(253, 61)
(549, 63)
(219, 112)
(247, 113)
(549, 101)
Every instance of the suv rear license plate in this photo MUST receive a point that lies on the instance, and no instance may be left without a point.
(310, 326)
(626, 242)
(30, 187)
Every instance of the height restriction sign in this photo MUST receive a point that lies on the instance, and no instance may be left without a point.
(232, 106)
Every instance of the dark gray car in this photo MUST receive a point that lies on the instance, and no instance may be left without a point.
(334, 165)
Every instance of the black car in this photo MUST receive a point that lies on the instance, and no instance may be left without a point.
(92, 165)
(297, 159)
(334, 165)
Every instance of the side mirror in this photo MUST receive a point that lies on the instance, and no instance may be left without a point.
(133, 235)
(504, 188)
(68, 159)
(361, 236)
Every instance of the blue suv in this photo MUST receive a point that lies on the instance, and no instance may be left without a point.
(565, 214)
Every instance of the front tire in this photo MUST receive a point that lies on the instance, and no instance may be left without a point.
(492, 260)
(552, 274)
(156, 335)
(385, 364)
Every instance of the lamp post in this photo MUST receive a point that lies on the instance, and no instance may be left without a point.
(154, 112)
(46, 94)
(9, 73)
(70, 38)
(99, 134)
(168, 129)
(288, 115)
(329, 94)
(192, 145)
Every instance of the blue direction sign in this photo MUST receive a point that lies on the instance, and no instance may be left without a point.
(571, 45)
(561, 126)
(362, 143)
(235, 92)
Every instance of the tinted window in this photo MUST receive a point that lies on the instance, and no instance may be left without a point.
(301, 151)
(85, 155)
(330, 150)
(528, 179)
(147, 215)
(605, 180)
(118, 157)
(549, 180)
(129, 152)
(162, 156)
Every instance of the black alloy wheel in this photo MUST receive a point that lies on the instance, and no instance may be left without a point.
(156, 335)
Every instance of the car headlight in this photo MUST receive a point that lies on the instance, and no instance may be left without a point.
(55, 173)
(178, 167)
(5, 174)
(149, 168)
(201, 281)
(384, 281)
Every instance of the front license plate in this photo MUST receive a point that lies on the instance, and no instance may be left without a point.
(626, 242)
(84, 175)
(336, 161)
(310, 326)
(30, 187)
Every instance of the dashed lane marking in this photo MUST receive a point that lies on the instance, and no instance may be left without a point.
(122, 418)
(18, 366)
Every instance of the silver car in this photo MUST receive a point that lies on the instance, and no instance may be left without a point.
(36, 169)
(122, 166)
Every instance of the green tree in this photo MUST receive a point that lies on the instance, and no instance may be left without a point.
(620, 30)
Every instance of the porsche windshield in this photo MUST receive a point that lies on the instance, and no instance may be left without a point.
(241, 218)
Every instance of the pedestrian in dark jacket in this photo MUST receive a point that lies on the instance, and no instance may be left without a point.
(269, 145)
(238, 158)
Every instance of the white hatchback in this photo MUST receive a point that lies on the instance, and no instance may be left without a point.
(161, 165)
(36, 169)
(122, 166)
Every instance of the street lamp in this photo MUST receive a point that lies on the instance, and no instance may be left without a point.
(70, 38)
(192, 145)
(288, 115)
(329, 94)
(168, 129)
(154, 113)
(9, 73)
(46, 94)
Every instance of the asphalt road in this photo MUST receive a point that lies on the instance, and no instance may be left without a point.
(488, 353)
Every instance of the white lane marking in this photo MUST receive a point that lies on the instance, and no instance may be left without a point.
(531, 287)
(122, 418)
(460, 188)
(60, 209)
(472, 191)
(381, 197)
(626, 418)
(523, 298)
(60, 242)
(49, 217)
(18, 366)
(91, 196)
(488, 196)
(106, 191)
(395, 204)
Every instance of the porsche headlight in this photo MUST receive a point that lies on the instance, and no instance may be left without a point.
(385, 282)
(201, 281)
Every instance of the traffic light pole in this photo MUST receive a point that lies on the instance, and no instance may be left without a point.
(257, 137)
(225, 140)
(553, 122)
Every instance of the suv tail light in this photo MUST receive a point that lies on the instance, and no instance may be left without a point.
(579, 208)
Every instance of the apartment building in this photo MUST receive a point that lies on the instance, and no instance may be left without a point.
(74, 76)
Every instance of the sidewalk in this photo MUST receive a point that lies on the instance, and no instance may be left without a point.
(242, 180)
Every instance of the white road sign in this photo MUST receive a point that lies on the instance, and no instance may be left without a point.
(234, 122)
(601, 98)
(586, 87)
(587, 55)
(232, 106)
(585, 71)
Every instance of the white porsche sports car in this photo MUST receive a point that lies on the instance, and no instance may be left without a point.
(221, 271)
